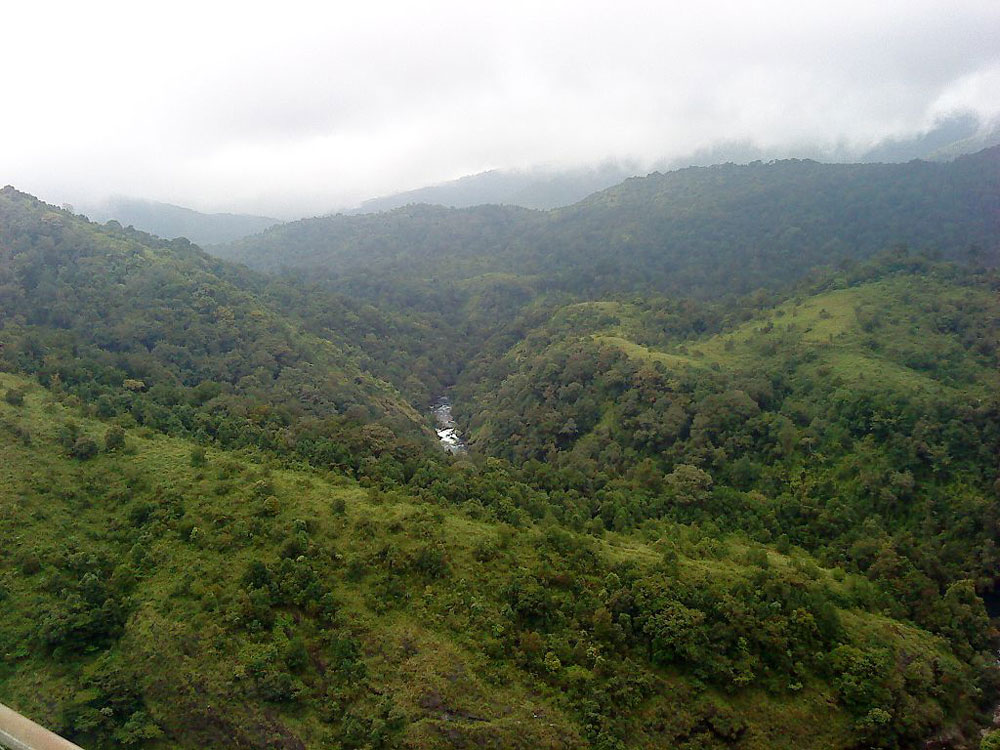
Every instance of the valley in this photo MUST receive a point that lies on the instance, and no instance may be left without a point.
(705, 460)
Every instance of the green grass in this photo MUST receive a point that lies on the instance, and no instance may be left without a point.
(827, 327)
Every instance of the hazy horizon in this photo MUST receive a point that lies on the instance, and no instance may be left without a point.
(237, 108)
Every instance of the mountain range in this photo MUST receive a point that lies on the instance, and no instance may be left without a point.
(683, 230)
(546, 187)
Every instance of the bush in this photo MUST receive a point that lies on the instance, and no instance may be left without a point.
(431, 560)
(29, 563)
(114, 439)
(68, 434)
(270, 507)
(296, 655)
(14, 397)
(485, 550)
(84, 448)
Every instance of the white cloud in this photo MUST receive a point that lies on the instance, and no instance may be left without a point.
(299, 107)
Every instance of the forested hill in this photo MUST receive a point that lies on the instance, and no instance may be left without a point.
(168, 334)
(417, 237)
(685, 230)
(773, 221)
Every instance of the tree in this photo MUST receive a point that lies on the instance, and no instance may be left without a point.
(688, 484)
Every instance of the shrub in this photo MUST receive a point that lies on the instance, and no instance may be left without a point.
(29, 563)
(84, 448)
(296, 655)
(114, 439)
(431, 560)
(14, 397)
(270, 507)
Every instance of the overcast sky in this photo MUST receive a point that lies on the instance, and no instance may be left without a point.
(291, 108)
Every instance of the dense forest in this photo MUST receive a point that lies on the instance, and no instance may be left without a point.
(732, 478)
(679, 232)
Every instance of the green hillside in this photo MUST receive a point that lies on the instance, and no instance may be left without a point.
(428, 238)
(906, 332)
(858, 421)
(915, 331)
(161, 331)
(290, 608)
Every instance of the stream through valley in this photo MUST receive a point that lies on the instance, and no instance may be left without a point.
(447, 430)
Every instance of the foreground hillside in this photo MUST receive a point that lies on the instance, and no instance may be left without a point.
(163, 595)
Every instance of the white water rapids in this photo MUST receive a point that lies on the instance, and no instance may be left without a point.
(446, 429)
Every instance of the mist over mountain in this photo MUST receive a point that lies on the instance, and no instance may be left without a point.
(539, 188)
(170, 222)
(545, 188)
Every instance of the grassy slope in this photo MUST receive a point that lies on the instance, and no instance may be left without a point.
(428, 657)
(888, 336)
(828, 325)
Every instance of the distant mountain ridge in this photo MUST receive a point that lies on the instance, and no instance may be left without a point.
(700, 230)
(546, 188)
(170, 222)
(533, 188)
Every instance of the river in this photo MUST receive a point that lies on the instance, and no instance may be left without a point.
(447, 430)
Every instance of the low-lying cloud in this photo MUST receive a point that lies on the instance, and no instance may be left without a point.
(298, 108)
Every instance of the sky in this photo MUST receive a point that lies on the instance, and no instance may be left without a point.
(293, 108)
